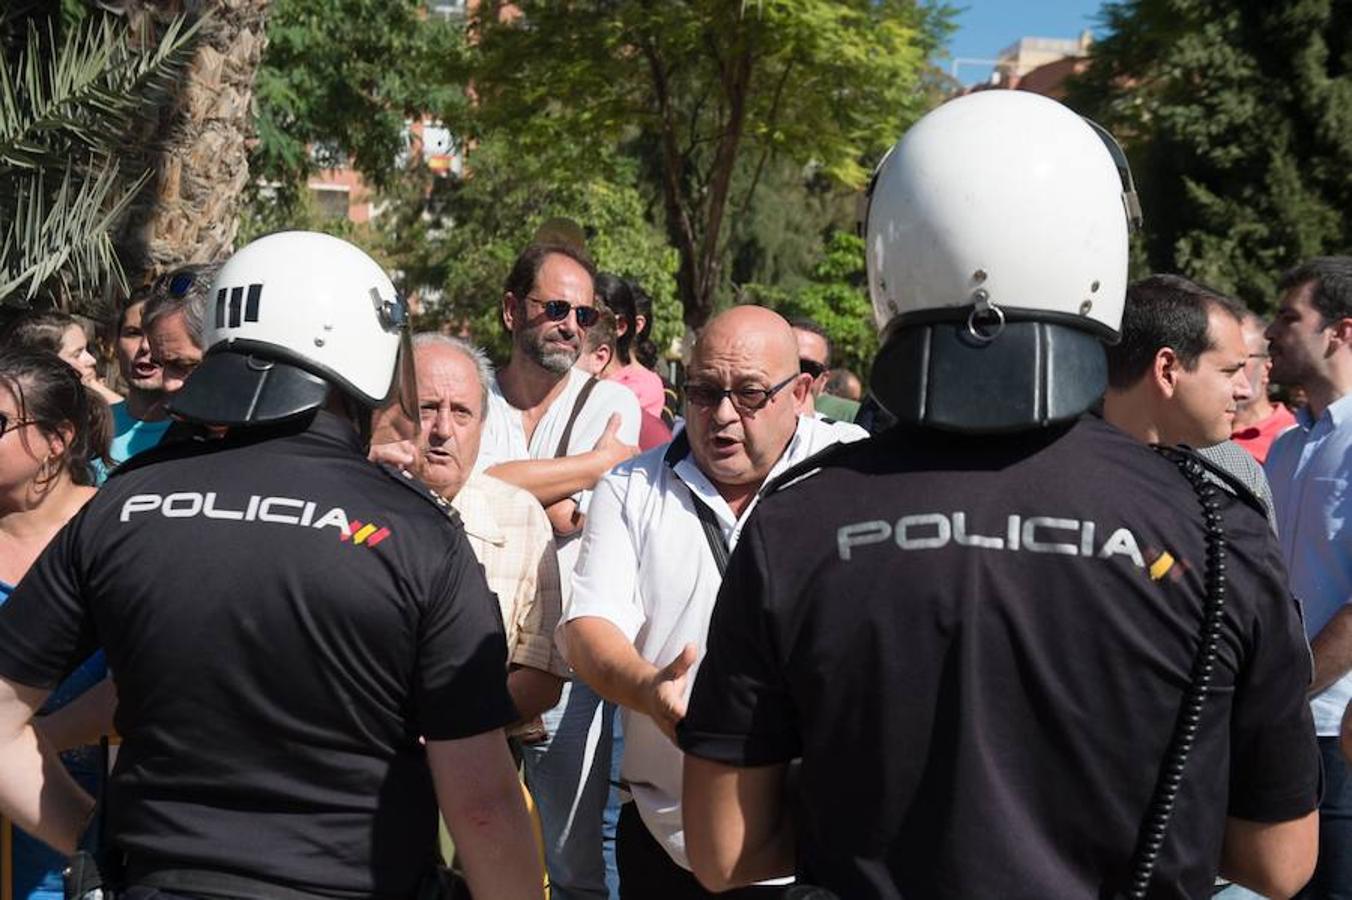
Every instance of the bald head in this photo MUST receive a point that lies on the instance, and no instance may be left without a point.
(750, 354)
(749, 332)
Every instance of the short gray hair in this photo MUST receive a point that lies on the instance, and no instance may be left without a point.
(483, 369)
(192, 301)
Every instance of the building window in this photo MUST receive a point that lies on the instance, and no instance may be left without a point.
(331, 200)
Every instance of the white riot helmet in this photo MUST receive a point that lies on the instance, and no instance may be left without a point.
(289, 316)
(996, 235)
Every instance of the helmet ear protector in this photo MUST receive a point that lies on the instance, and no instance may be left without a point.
(1131, 201)
(997, 275)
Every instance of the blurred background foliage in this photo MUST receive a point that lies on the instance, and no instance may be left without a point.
(1237, 118)
(713, 151)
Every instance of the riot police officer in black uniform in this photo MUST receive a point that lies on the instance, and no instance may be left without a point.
(1019, 653)
(307, 657)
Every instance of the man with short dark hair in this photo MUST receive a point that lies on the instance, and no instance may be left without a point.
(983, 654)
(1311, 466)
(309, 662)
(1178, 373)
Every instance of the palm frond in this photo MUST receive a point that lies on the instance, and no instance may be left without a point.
(81, 95)
(66, 109)
(64, 231)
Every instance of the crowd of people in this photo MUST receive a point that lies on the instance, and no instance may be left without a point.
(292, 580)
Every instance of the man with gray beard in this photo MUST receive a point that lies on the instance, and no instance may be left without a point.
(555, 430)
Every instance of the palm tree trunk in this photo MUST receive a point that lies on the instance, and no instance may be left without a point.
(198, 148)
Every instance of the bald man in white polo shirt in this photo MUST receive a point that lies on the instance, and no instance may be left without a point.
(658, 533)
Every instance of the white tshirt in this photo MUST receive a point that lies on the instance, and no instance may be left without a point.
(646, 566)
(504, 438)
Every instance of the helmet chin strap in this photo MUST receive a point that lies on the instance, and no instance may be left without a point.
(957, 376)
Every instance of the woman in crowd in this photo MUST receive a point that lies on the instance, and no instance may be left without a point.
(51, 428)
(63, 335)
(634, 351)
(599, 358)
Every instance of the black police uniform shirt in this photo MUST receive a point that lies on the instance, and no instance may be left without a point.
(284, 621)
(979, 647)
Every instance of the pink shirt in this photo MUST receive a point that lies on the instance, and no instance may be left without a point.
(645, 384)
(1257, 439)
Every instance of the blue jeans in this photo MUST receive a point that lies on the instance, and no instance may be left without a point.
(610, 821)
(569, 778)
(1333, 873)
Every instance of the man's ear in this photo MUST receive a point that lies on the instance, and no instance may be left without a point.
(1342, 331)
(802, 389)
(1165, 371)
(509, 311)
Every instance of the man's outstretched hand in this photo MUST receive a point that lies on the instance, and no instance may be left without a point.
(613, 450)
(667, 690)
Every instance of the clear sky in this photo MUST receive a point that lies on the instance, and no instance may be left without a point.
(985, 27)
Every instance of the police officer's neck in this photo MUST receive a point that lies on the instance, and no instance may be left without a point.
(1136, 412)
(350, 412)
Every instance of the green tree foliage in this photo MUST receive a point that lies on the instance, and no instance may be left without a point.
(706, 87)
(836, 298)
(1238, 120)
(70, 93)
(338, 83)
(780, 236)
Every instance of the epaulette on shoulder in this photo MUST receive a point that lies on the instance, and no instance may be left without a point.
(1227, 479)
(406, 479)
(805, 469)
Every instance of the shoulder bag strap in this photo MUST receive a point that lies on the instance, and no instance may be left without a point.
(708, 520)
(581, 401)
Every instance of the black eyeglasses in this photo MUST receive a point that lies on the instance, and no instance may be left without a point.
(557, 311)
(744, 399)
(7, 424)
(811, 367)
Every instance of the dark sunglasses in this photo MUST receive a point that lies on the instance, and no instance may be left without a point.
(177, 284)
(7, 424)
(744, 399)
(811, 367)
(557, 311)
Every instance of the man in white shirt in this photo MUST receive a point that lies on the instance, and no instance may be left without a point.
(659, 531)
(554, 431)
